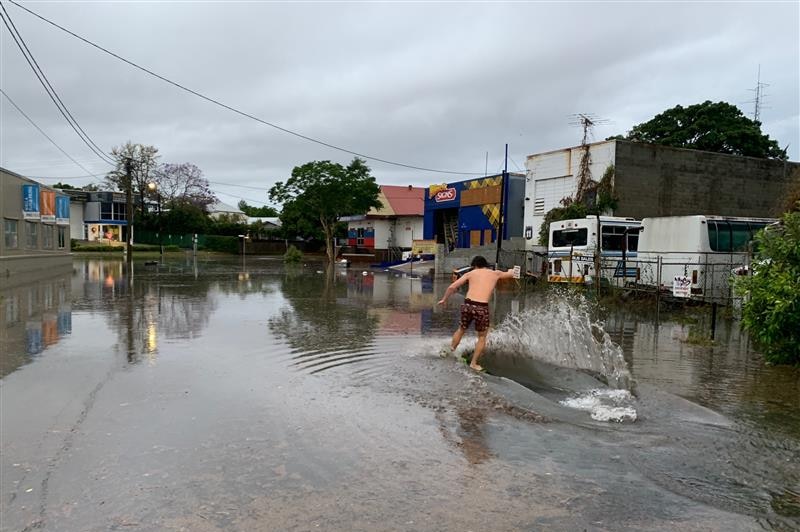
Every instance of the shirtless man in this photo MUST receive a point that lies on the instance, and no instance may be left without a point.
(482, 282)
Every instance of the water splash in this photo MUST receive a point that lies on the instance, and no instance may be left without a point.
(604, 405)
(561, 331)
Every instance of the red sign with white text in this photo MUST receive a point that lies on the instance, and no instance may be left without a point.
(448, 194)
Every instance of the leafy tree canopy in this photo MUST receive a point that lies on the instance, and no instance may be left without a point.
(718, 127)
(258, 212)
(771, 310)
(64, 186)
(321, 192)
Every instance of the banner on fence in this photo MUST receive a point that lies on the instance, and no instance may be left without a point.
(681, 286)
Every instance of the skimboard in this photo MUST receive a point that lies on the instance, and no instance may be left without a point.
(466, 356)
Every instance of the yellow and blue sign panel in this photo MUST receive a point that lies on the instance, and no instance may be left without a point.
(483, 218)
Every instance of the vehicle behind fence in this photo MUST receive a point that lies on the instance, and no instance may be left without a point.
(693, 257)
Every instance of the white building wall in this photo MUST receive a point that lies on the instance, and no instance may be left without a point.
(76, 227)
(382, 233)
(408, 227)
(401, 227)
(552, 176)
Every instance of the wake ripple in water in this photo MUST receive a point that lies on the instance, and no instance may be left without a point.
(561, 332)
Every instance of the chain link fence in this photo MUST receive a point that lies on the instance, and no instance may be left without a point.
(708, 277)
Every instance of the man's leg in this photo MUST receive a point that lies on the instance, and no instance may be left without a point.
(457, 337)
(479, 345)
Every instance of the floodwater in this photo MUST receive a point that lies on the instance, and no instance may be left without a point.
(222, 395)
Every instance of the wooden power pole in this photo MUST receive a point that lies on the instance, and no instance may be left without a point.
(129, 212)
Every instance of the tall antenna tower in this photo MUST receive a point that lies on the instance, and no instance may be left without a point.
(587, 122)
(760, 95)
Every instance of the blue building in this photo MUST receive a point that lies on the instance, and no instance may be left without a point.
(466, 213)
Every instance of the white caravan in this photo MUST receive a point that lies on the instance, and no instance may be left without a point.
(573, 244)
(703, 249)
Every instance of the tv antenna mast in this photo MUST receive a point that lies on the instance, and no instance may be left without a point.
(587, 122)
(760, 95)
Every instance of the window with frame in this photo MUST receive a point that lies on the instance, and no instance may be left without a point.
(10, 228)
(566, 237)
(62, 237)
(633, 241)
(47, 237)
(119, 211)
(31, 235)
(612, 237)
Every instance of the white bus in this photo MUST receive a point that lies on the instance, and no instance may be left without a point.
(573, 244)
(704, 249)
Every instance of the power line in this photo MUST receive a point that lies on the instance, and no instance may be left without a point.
(45, 134)
(249, 200)
(239, 186)
(48, 87)
(234, 109)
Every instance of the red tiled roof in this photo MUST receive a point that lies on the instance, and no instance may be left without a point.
(402, 201)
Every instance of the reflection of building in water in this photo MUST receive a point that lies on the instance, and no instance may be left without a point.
(661, 353)
(146, 312)
(402, 304)
(98, 278)
(33, 317)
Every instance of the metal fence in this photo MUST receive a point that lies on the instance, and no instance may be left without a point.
(709, 277)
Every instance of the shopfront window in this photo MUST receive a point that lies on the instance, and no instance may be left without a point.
(47, 237)
(31, 235)
(10, 228)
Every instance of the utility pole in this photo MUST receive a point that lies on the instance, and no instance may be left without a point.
(502, 213)
(129, 212)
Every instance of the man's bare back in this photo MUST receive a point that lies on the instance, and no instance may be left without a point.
(482, 282)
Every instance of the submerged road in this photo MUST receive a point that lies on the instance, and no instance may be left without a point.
(217, 397)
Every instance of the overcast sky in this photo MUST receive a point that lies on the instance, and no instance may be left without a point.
(430, 85)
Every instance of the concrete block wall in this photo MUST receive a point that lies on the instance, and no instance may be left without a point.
(661, 181)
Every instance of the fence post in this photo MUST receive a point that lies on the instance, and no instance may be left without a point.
(658, 286)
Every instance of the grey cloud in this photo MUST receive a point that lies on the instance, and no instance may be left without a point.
(430, 85)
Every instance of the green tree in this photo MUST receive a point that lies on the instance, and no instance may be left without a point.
(324, 192)
(718, 127)
(258, 212)
(181, 218)
(771, 310)
(64, 186)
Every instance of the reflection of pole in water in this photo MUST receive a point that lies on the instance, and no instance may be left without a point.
(131, 350)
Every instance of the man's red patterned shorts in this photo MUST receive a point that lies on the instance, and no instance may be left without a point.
(477, 311)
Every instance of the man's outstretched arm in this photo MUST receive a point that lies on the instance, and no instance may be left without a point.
(453, 287)
(508, 274)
